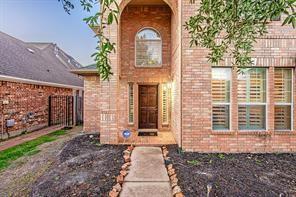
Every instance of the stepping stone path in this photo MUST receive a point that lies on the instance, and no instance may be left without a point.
(148, 175)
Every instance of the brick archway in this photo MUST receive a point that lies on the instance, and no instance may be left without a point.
(171, 3)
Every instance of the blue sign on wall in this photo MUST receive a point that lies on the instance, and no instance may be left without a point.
(126, 133)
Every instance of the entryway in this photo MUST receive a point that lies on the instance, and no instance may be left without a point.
(149, 130)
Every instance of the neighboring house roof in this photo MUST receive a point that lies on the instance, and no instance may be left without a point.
(92, 66)
(42, 62)
(86, 70)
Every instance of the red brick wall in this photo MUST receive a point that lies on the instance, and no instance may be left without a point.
(176, 30)
(133, 19)
(108, 113)
(190, 73)
(278, 49)
(92, 107)
(159, 18)
(25, 98)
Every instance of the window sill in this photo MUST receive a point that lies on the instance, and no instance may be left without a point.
(252, 132)
(222, 132)
(285, 132)
(154, 66)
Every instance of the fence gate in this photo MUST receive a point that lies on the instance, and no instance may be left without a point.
(79, 110)
(60, 110)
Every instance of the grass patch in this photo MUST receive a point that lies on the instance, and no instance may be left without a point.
(27, 148)
(221, 156)
(193, 162)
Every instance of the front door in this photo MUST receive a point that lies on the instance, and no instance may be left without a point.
(148, 106)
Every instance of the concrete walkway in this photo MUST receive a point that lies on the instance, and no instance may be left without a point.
(147, 176)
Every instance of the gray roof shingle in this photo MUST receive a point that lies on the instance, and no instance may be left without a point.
(37, 61)
(92, 66)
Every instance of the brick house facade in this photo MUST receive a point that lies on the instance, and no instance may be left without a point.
(19, 97)
(207, 108)
(29, 74)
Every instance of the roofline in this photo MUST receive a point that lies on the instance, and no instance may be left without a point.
(39, 42)
(84, 71)
(30, 81)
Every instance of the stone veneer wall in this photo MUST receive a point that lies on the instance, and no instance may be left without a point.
(278, 49)
(25, 98)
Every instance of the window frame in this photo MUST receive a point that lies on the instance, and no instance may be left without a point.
(246, 104)
(131, 89)
(167, 89)
(286, 104)
(161, 46)
(229, 104)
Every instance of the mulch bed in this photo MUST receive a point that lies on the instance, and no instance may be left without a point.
(83, 168)
(235, 174)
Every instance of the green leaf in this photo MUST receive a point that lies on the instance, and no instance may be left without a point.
(237, 24)
(110, 18)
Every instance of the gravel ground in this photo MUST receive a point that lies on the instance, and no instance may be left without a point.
(18, 178)
(83, 168)
(235, 174)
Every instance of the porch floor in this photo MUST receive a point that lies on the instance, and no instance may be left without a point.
(163, 138)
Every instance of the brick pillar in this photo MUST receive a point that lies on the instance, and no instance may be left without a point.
(92, 89)
(109, 96)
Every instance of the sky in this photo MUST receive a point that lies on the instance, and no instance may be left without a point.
(46, 21)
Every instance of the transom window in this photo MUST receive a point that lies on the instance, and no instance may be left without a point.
(148, 48)
(252, 99)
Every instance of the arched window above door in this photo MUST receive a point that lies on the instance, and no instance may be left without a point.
(148, 48)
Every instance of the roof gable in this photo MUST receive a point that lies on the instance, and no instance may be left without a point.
(46, 63)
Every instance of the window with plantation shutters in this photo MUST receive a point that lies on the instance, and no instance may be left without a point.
(165, 104)
(283, 99)
(148, 48)
(130, 103)
(221, 82)
(252, 99)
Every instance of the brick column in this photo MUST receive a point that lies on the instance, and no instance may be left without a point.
(92, 88)
(109, 96)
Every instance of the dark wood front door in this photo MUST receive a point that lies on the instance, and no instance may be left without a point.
(148, 106)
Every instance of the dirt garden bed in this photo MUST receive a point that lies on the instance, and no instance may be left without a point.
(235, 174)
(83, 168)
